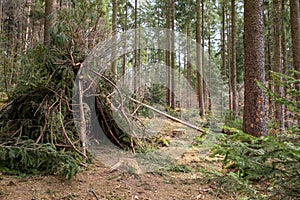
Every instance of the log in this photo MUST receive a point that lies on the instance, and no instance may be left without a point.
(169, 116)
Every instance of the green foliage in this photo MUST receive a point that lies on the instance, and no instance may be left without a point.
(26, 157)
(40, 104)
(273, 164)
(39, 100)
(233, 123)
(292, 96)
(231, 183)
(155, 94)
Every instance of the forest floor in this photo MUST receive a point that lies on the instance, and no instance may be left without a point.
(98, 181)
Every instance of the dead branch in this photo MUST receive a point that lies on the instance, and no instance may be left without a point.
(94, 193)
(169, 116)
(66, 135)
(106, 123)
(81, 111)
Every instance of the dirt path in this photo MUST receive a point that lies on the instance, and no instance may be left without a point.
(97, 182)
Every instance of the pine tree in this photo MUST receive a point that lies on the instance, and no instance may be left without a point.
(254, 109)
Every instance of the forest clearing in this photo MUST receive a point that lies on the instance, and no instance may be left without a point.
(149, 99)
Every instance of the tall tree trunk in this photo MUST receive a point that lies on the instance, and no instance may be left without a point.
(203, 57)
(167, 55)
(9, 24)
(27, 26)
(188, 63)
(49, 20)
(125, 42)
(227, 16)
(173, 55)
(158, 34)
(199, 83)
(284, 55)
(136, 52)
(269, 60)
(254, 109)
(233, 63)
(223, 51)
(295, 31)
(9, 30)
(114, 31)
(277, 59)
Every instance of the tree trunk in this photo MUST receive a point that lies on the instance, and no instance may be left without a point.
(203, 57)
(284, 57)
(295, 31)
(173, 55)
(136, 52)
(188, 63)
(254, 109)
(227, 17)
(125, 42)
(167, 55)
(9, 24)
(233, 62)
(114, 31)
(277, 59)
(49, 20)
(269, 61)
(223, 51)
(223, 43)
(199, 82)
(9, 30)
(27, 26)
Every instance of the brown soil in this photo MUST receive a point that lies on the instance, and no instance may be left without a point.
(97, 182)
(100, 182)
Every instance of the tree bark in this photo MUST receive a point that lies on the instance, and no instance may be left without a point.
(254, 109)
(295, 31)
(167, 55)
(277, 59)
(49, 20)
(125, 42)
(199, 82)
(114, 31)
(284, 57)
(223, 52)
(233, 62)
(136, 52)
(269, 61)
(27, 26)
(227, 17)
(9, 30)
(188, 63)
(205, 104)
(173, 55)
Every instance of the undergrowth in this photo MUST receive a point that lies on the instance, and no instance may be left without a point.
(259, 168)
(27, 158)
(267, 167)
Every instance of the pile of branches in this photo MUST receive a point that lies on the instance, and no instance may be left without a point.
(117, 117)
(36, 125)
